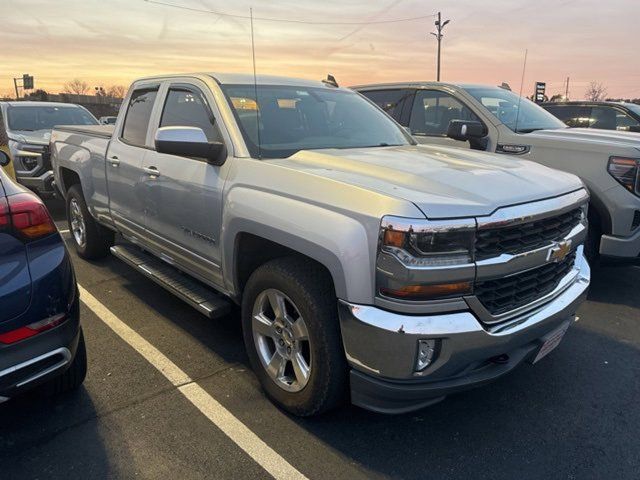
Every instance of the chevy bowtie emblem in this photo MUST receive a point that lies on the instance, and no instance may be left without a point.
(559, 251)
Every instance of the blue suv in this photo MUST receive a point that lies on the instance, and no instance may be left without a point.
(41, 340)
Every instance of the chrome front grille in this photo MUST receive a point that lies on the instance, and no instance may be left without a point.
(505, 294)
(523, 237)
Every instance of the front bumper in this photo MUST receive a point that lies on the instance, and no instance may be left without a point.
(42, 183)
(621, 247)
(381, 348)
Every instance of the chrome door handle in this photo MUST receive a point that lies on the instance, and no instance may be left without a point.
(114, 161)
(151, 171)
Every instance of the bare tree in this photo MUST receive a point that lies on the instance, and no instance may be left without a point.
(76, 86)
(116, 91)
(596, 92)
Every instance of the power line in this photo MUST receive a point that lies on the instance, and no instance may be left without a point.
(287, 20)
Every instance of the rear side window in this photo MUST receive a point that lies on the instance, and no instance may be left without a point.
(187, 108)
(136, 122)
(391, 101)
(572, 115)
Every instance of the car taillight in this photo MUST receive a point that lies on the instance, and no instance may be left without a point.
(26, 215)
(625, 171)
(32, 329)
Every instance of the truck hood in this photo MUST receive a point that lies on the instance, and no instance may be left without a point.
(37, 137)
(444, 182)
(589, 137)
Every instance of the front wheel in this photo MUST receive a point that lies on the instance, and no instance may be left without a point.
(292, 335)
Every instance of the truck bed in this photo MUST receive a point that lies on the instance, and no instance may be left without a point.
(94, 130)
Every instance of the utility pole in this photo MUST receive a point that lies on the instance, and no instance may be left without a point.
(439, 27)
(566, 92)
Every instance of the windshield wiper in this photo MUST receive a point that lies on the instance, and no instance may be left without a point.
(528, 130)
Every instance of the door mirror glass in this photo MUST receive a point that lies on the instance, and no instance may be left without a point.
(189, 142)
(4, 159)
(464, 130)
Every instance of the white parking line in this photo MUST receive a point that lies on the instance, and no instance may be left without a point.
(63, 231)
(222, 418)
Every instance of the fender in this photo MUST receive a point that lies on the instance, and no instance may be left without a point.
(339, 242)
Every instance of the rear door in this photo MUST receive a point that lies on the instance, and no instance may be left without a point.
(183, 196)
(124, 161)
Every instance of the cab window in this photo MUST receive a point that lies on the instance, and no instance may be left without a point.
(433, 110)
(391, 101)
(185, 107)
(610, 118)
(136, 122)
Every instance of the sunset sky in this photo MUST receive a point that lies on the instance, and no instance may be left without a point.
(106, 42)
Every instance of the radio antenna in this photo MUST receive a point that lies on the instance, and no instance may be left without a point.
(524, 68)
(255, 83)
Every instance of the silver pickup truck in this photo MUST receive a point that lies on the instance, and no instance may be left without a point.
(363, 262)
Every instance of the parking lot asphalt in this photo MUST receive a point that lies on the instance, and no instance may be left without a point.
(574, 415)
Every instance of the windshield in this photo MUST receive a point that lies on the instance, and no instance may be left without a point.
(504, 104)
(307, 118)
(45, 118)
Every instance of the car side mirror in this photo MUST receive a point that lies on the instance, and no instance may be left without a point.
(189, 142)
(4, 159)
(464, 130)
(634, 128)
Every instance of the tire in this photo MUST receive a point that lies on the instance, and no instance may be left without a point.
(91, 240)
(73, 376)
(308, 294)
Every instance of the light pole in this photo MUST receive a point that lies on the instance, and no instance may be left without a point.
(439, 27)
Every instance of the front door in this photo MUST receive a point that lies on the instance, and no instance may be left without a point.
(183, 195)
(124, 162)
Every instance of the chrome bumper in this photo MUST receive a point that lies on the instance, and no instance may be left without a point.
(383, 344)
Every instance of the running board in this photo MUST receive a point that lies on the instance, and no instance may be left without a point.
(203, 299)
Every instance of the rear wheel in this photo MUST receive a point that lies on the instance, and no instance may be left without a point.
(292, 335)
(91, 239)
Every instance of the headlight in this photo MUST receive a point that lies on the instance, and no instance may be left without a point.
(625, 171)
(23, 158)
(427, 244)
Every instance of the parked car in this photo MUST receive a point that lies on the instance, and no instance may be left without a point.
(409, 272)
(41, 340)
(494, 119)
(603, 115)
(28, 128)
(107, 120)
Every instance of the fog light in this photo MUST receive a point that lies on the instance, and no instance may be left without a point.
(426, 354)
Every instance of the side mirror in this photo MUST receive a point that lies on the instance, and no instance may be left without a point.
(4, 159)
(189, 142)
(464, 130)
(634, 128)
